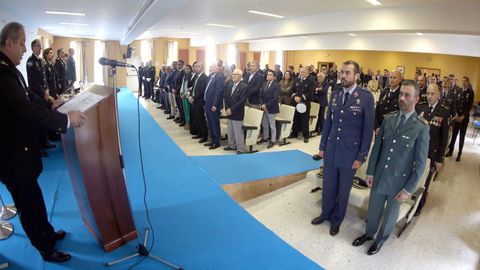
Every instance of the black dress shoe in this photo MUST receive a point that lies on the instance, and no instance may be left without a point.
(334, 230)
(55, 256)
(213, 146)
(177, 120)
(170, 117)
(374, 249)
(270, 145)
(59, 235)
(458, 158)
(305, 140)
(228, 148)
(360, 240)
(292, 136)
(50, 146)
(318, 220)
(208, 144)
(448, 154)
(167, 112)
(262, 141)
(202, 140)
(196, 137)
(182, 124)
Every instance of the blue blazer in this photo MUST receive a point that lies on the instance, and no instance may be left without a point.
(270, 97)
(214, 92)
(348, 129)
(321, 96)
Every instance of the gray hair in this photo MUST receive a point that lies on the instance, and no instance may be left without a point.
(10, 31)
(414, 84)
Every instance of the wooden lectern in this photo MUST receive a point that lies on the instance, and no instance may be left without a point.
(95, 165)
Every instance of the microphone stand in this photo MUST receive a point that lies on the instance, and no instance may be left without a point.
(142, 250)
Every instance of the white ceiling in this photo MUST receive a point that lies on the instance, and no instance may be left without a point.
(113, 19)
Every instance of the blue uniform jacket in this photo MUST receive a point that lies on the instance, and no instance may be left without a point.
(214, 92)
(348, 128)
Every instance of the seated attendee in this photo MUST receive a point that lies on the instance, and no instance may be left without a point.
(235, 99)
(269, 104)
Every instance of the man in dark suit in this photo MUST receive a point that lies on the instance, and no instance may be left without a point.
(303, 88)
(197, 100)
(422, 84)
(448, 98)
(254, 82)
(213, 104)
(177, 85)
(20, 161)
(278, 73)
(171, 95)
(396, 164)
(383, 82)
(140, 79)
(235, 98)
(269, 97)
(321, 96)
(465, 103)
(437, 116)
(388, 100)
(61, 70)
(71, 70)
(345, 142)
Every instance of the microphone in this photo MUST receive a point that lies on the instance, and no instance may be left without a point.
(114, 63)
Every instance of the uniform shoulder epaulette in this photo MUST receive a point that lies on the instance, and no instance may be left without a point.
(423, 120)
(3, 63)
(391, 113)
(365, 90)
(444, 107)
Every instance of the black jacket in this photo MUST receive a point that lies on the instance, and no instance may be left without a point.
(37, 82)
(236, 102)
(253, 87)
(22, 118)
(385, 105)
(198, 90)
(438, 120)
(269, 96)
(304, 89)
(61, 70)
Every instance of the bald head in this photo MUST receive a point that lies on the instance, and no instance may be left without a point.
(237, 75)
(213, 68)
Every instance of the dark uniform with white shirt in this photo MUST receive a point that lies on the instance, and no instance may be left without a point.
(387, 103)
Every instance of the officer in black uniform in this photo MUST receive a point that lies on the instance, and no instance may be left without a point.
(422, 84)
(303, 88)
(37, 84)
(465, 103)
(140, 79)
(388, 100)
(20, 161)
(448, 98)
(437, 115)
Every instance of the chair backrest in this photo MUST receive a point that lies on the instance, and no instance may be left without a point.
(314, 108)
(286, 113)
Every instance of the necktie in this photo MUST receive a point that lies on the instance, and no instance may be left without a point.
(430, 109)
(444, 95)
(206, 89)
(401, 123)
(347, 94)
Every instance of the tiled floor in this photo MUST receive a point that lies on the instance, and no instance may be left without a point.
(445, 236)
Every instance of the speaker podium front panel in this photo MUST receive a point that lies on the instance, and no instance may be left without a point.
(94, 162)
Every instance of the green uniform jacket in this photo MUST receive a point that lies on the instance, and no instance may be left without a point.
(398, 159)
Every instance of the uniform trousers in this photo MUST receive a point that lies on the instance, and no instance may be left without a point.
(462, 128)
(337, 183)
(377, 209)
(213, 122)
(300, 123)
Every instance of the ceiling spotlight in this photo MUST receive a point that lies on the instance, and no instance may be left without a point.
(303, 37)
(374, 2)
(266, 14)
(64, 13)
(220, 25)
(352, 35)
(420, 34)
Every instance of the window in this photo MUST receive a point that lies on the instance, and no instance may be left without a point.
(279, 58)
(231, 54)
(211, 55)
(146, 50)
(172, 53)
(264, 58)
(99, 72)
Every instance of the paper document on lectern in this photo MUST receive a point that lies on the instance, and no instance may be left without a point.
(81, 102)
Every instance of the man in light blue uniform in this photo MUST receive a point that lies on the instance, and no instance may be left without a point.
(396, 164)
(346, 139)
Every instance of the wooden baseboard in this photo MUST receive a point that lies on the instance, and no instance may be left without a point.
(242, 192)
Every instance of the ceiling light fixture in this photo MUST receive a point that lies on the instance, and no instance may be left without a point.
(374, 2)
(220, 25)
(74, 24)
(352, 35)
(420, 34)
(303, 37)
(64, 13)
(190, 33)
(266, 14)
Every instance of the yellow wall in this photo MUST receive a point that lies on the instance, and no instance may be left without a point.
(379, 60)
(44, 36)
